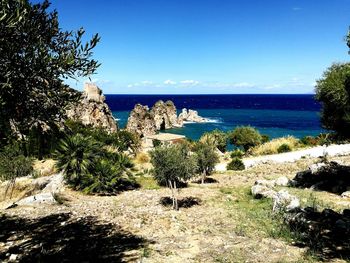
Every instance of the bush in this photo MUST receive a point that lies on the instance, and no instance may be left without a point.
(206, 157)
(142, 158)
(89, 167)
(216, 138)
(309, 141)
(237, 153)
(173, 164)
(265, 138)
(284, 148)
(13, 164)
(245, 136)
(272, 146)
(236, 164)
(333, 91)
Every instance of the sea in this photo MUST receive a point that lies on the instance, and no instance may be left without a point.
(273, 115)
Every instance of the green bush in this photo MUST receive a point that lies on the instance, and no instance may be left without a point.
(237, 153)
(283, 148)
(89, 167)
(13, 164)
(332, 90)
(216, 138)
(206, 157)
(265, 138)
(245, 136)
(236, 164)
(309, 141)
(173, 164)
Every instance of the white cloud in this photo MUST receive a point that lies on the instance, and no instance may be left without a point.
(169, 82)
(190, 82)
(146, 82)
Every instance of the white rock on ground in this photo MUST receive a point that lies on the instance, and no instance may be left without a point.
(268, 183)
(284, 201)
(262, 191)
(346, 194)
(282, 181)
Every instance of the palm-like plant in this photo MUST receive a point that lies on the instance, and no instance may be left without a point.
(75, 156)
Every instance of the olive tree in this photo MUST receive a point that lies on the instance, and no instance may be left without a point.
(36, 55)
(245, 136)
(333, 91)
(173, 164)
(217, 138)
(207, 158)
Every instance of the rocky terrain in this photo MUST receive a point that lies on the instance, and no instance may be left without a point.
(92, 110)
(163, 115)
(219, 221)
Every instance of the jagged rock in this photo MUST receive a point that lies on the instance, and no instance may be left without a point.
(191, 116)
(164, 115)
(282, 181)
(92, 110)
(284, 201)
(261, 191)
(141, 121)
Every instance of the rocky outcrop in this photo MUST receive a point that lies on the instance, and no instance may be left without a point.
(141, 121)
(162, 116)
(191, 116)
(92, 110)
(165, 116)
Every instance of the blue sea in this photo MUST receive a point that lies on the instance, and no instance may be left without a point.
(274, 115)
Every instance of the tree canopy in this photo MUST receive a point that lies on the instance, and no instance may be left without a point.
(36, 55)
(333, 91)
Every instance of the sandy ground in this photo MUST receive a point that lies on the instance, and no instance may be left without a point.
(331, 151)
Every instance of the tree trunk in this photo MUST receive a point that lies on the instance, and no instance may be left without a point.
(172, 193)
(203, 177)
(176, 203)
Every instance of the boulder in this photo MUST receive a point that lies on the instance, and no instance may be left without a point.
(92, 110)
(267, 183)
(261, 191)
(346, 194)
(283, 201)
(282, 181)
(164, 115)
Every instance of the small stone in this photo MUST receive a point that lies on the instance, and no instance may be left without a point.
(13, 257)
(261, 191)
(268, 183)
(346, 194)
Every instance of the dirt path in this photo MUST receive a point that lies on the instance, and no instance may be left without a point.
(332, 150)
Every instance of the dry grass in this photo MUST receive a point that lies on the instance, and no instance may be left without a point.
(272, 146)
(45, 167)
(142, 158)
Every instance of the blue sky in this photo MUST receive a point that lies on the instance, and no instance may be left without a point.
(210, 46)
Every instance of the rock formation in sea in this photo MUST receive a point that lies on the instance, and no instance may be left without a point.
(191, 116)
(162, 116)
(92, 110)
(141, 121)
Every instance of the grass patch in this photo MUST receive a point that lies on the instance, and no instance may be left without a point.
(272, 146)
(147, 182)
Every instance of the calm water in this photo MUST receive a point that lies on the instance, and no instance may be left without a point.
(274, 115)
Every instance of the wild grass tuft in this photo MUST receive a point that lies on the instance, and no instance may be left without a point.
(272, 146)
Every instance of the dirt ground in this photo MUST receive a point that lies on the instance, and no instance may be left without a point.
(221, 224)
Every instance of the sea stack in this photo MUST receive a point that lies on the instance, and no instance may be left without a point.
(92, 110)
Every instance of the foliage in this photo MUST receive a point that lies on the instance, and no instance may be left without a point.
(272, 146)
(333, 91)
(216, 138)
(173, 164)
(36, 56)
(13, 164)
(236, 164)
(90, 167)
(245, 136)
(142, 158)
(156, 143)
(237, 153)
(283, 148)
(265, 138)
(206, 157)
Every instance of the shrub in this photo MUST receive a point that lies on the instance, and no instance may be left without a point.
(216, 138)
(237, 153)
(206, 157)
(142, 158)
(13, 164)
(309, 141)
(284, 148)
(245, 136)
(265, 138)
(236, 164)
(332, 90)
(156, 143)
(173, 164)
(272, 146)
